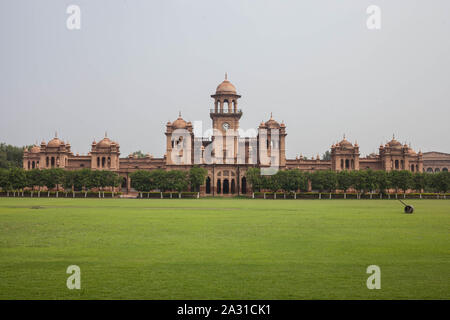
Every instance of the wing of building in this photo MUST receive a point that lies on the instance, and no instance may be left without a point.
(227, 154)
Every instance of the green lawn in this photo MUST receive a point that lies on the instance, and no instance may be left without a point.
(223, 249)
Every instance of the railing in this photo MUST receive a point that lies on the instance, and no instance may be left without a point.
(225, 111)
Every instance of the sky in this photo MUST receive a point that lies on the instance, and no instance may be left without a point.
(133, 65)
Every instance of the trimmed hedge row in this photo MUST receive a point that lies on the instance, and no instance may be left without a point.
(325, 196)
(167, 195)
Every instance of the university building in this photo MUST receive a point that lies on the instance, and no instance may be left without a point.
(232, 154)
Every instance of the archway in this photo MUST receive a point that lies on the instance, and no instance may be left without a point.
(219, 186)
(444, 170)
(244, 185)
(436, 170)
(208, 185)
(124, 183)
(430, 170)
(226, 186)
(233, 187)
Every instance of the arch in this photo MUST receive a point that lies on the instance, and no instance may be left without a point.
(429, 169)
(244, 185)
(444, 169)
(33, 165)
(219, 186)
(437, 170)
(396, 165)
(208, 185)
(52, 161)
(103, 162)
(412, 168)
(226, 186)
(347, 164)
(124, 183)
(47, 162)
(98, 162)
(233, 186)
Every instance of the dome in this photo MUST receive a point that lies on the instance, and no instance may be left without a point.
(226, 87)
(54, 143)
(394, 143)
(272, 123)
(35, 149)
(345, 143)
(104, 143)
(179, 123)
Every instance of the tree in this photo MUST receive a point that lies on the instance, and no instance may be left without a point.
(138, 154)
(5, 184)
(441, 181)
(400, 179)
(272, 182)
(177, 180)
(381, 180)
(254, 178)
(17, 178)
(197, 177)
(10, 156)
(419, 181)
(327, 155)
(140, 180)
(158, 179)
(344, 180)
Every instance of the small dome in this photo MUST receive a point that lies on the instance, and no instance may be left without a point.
(394, 143)
(345, 143)
(179, 123)
(54, 143)
(272, 123)
(35, 149)
(226, 87)
(104, 143)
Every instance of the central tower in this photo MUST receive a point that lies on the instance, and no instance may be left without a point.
(225, 115)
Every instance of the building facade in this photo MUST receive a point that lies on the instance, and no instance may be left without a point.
(226, 154)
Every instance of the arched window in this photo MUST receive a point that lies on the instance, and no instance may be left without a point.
(430, 170)
(208, 185)
(412, 168)
(98, 162)
(47, 162)
(219, 189)
(33, 165)
(347, 164)
(103, 162)
(444, 170)
(244, 185)
(52, 161)
(396, 164)
(226, 186)
(437, 170)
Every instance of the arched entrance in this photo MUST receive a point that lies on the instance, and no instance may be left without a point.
(233, 187)
(244, 185)
(208, 185)
(226, 186)
(124, 184)
(219, 189)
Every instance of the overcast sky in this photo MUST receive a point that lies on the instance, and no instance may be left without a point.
(134, 64)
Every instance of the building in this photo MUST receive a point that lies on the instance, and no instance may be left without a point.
(226, 154)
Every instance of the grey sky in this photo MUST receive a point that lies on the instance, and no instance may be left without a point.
(314, 64)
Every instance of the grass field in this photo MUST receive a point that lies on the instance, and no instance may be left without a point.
(223, 249)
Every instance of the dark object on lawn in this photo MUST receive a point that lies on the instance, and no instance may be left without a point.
(408, 208)
(36, 207)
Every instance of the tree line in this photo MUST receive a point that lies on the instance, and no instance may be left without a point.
(362, 181)
(15, 179)
(172, 180)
